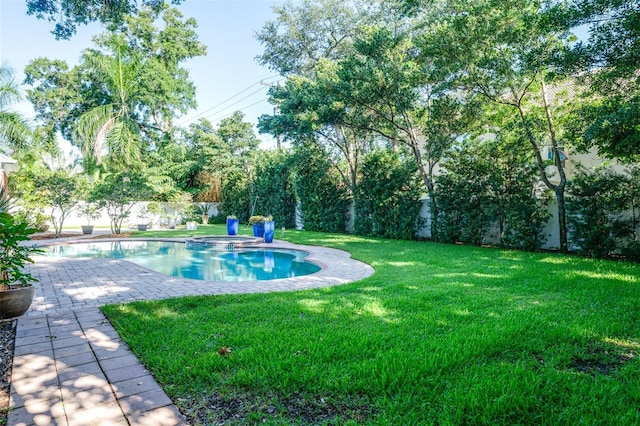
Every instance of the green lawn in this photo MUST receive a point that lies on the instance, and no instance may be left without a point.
(440, 334)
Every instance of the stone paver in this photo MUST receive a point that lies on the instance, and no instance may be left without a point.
(70, 366)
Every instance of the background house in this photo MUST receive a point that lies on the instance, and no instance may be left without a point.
(7, 166)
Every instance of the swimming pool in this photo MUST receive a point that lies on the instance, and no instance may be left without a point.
(200, 263)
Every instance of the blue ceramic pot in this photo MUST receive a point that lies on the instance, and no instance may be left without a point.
(232, 226)
(269, 230)
(258, 230)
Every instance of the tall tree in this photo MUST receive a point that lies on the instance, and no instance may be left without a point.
(238, 141)
(392, 92)
(301, 43)
(309, 109)
(58, 95)
(305, 32)
(127, 89)
(504, 51)
(68, 14)
(113, 126)
(608, 62)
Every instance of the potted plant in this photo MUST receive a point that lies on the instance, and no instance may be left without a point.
(143, 218)
(232, 225)
(269, 229)
(90, 211)
(156, 212)
(178, 203)
(258, 225)
(203, 209)
(16, 286)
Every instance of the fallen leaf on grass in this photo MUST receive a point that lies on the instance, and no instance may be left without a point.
(225, 350)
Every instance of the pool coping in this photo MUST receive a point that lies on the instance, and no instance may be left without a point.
(332, 262)
(70, 366)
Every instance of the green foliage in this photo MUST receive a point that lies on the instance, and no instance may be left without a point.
(14, 128)
(90, 211)
(236, 195)
(506, 54)
(34, 218)
(597, 211)
(306, 31)
(14, 255)
(322, 195)
(490, 186)
(256, 219)
(124, 93)
(273, 189)
(62, 190)
(522, 206)
(117, 193)
(611, 124)
(465, 196)
(67, 15)
(388, 197)
(192, 214)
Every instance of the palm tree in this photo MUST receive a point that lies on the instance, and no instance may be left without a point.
(14, 128)
(113, 127)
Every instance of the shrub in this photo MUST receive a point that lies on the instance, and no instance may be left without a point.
(388, 197)
(236, 193)
(273, 188)
(322, 194)
(596, 211)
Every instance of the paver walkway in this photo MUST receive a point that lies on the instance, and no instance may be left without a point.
(70, 366)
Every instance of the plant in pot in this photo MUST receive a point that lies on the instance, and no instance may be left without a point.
(258, 225)
(269, 229)
(157, 213)
(203, 210)
(232, 225)
(90, 211)
(16, 286)
(178, 203)
(143, 218)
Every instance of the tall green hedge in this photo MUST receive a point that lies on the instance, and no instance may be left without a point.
(490, 187)
(236, 195)
(322, 194)
(388, 197)
(273, 188)
(600, 211)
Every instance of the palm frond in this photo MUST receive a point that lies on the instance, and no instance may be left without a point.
(9, 89)
(14, 130)
(124, 142)
(93, 129)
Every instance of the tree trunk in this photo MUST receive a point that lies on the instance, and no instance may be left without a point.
(558, 189)
(562, 218)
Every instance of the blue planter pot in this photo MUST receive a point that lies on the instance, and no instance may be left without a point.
(232, 226)
(269, 230)
(258, 230)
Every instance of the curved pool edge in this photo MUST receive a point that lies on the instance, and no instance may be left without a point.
(116, 281)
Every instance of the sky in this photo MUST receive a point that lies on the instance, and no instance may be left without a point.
(227, 79)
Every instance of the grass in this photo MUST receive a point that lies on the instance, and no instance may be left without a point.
(440, 334)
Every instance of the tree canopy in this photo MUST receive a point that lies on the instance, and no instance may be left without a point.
(120, 101)
(68, 14)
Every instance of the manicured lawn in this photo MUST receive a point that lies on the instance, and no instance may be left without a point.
(440, 334)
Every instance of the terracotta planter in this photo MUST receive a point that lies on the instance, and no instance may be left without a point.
(15, 301)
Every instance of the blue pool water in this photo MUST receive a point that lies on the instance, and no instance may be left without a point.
(174, 258)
